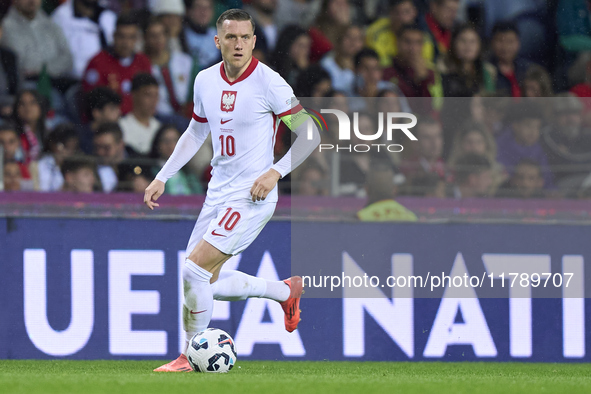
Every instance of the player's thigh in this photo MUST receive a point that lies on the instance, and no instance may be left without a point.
(207, 214)
(237, 225)
(208, 257)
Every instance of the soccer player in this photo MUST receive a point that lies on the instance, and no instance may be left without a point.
(240, 101)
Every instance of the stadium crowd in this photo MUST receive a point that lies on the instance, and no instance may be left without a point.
(94, 95)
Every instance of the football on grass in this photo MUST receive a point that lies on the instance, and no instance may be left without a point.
(211, 350)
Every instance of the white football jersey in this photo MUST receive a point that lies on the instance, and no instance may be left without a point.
(243, 117)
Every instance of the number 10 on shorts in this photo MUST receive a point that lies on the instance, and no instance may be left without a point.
(229, 219)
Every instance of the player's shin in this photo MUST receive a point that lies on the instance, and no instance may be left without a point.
(235, 285)
(198, 304)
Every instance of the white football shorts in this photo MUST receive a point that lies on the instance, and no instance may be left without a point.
(232, 226)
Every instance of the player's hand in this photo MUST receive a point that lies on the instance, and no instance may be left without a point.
(264, 184)
(153, 191)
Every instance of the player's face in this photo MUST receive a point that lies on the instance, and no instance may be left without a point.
(236, 40)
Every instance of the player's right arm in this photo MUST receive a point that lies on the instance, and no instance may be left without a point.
(187, 146)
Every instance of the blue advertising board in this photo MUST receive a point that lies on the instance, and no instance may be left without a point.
(109, 289)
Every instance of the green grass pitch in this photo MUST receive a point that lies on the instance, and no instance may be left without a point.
(86, 377)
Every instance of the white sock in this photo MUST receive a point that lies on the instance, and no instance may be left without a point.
(235, 285)
(198, 305)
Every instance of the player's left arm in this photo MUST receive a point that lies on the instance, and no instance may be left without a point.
(297, 120)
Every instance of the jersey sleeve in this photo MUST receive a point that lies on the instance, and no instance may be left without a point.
(280, 97)
(198, 110)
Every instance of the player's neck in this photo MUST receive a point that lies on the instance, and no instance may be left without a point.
(233, 73)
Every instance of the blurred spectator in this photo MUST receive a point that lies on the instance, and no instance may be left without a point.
(60, 144)
(292, 53)
(79, 174)
(410, 71)
(382, 35)
(88, 27)
(340, 63)
(463, 70)
(139, 126)
(133, 177)
(37, 41)
(566, 141)
(110, 151)
(473, 138)
(583, 91)
(12, 176)
(183, 182)
(427, 159)
(9, 79)
(312, 181)
(472, 175)
(537, 82)
(573, 23)
(171, 14)
(381, 206)
(313, 82)
(521, 139)
(122, 6)
(493, 111)
(175, 71)
(263, 13)
(292, 12)
(333, 14)
(104, 105)
(428, 185)
(368, 74)
(356, 166)
(440, 21)
(526, 182)
(199, 34)
(505, 46)
(115, 67)
(29, 117)
(11, 144)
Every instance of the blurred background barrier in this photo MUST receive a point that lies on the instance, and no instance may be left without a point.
(105, 286)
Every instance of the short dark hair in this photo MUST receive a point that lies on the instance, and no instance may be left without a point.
(61, 134)
(126, 19)
(395, 3)
(100, 97)
(76, 163)
(505, 27)
(365, 52)
(142, 79)
(110, 128)
(469, 164)
(8, 126)
(234, 14)
(409, 27)
(440, 2)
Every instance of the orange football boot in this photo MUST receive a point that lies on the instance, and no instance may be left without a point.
(291, 306)
(181, 364)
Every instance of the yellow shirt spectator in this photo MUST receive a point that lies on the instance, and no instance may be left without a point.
(381, 38)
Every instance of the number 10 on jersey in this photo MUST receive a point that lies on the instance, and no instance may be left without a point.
(228, 145)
